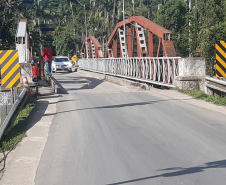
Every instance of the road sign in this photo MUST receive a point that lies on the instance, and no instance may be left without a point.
(10, 68)
(221, 59)
(47, 27)
(74, 58)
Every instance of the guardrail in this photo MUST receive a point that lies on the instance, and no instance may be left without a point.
(215, 84)
(13, 110)
(53, 82)
(155, 70)
(7, 99)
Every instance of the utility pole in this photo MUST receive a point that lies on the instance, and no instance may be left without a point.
(133, 7)
(124, 23)
(87, 54)
(72, 13)
(113, 18)
(190, 9)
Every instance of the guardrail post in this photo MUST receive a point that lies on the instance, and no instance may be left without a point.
(53, 85)
(209, 91)
(6, 99)
(3, 113)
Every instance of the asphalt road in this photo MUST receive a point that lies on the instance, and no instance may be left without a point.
(105, 134)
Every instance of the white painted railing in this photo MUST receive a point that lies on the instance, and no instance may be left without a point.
(155, 70)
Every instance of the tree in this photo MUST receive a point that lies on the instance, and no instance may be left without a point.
(9, 11)
(174, 17)
(208, 27)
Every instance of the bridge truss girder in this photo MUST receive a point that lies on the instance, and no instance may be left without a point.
(91, 48)
(137, 46)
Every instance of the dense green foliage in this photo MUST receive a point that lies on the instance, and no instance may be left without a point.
(207, 18)
(9, 12)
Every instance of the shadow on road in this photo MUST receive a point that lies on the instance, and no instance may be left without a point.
(73, 81)
(60, 101)
(85, 82)
(120, 105)
(46, 96)
(180, 171)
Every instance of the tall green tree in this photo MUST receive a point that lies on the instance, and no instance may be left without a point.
(174, 17)
(9, 11)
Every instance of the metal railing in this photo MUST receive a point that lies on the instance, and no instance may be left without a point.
(11, 114)
(155, 70)
(7, 99)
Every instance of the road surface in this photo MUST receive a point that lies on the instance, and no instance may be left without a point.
(106, 134)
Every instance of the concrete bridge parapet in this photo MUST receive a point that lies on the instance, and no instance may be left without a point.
(192, 73)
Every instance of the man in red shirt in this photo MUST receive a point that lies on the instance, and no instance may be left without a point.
(47, 54)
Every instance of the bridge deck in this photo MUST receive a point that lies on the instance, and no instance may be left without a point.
(108, 134)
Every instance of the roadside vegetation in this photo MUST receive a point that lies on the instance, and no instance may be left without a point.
(18, 131)
(198, 94)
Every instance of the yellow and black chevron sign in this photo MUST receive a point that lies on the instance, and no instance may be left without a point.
(221, 59)
(10, 68)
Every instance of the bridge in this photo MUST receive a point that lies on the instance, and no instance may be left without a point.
(116, 121)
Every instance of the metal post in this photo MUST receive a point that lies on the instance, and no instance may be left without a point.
(158, 52)
(85, 25)
(124, 18)
(133, 7)
(150, 44)
(139, 52)
(115, 45)
(190, 4)
(124, 24)
(12, 95)
(87, 54)
(130, 54)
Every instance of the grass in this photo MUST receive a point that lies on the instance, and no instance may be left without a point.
(198, 94)
(18, 131)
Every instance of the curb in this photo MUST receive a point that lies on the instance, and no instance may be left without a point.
(118, 80)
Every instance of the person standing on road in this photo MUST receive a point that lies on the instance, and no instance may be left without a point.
(47, 54)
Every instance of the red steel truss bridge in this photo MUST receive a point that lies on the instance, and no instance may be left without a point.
(145, 53)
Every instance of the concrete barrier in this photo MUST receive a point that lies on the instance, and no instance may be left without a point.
(192, 73)
(117, 80)
(26, 71)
